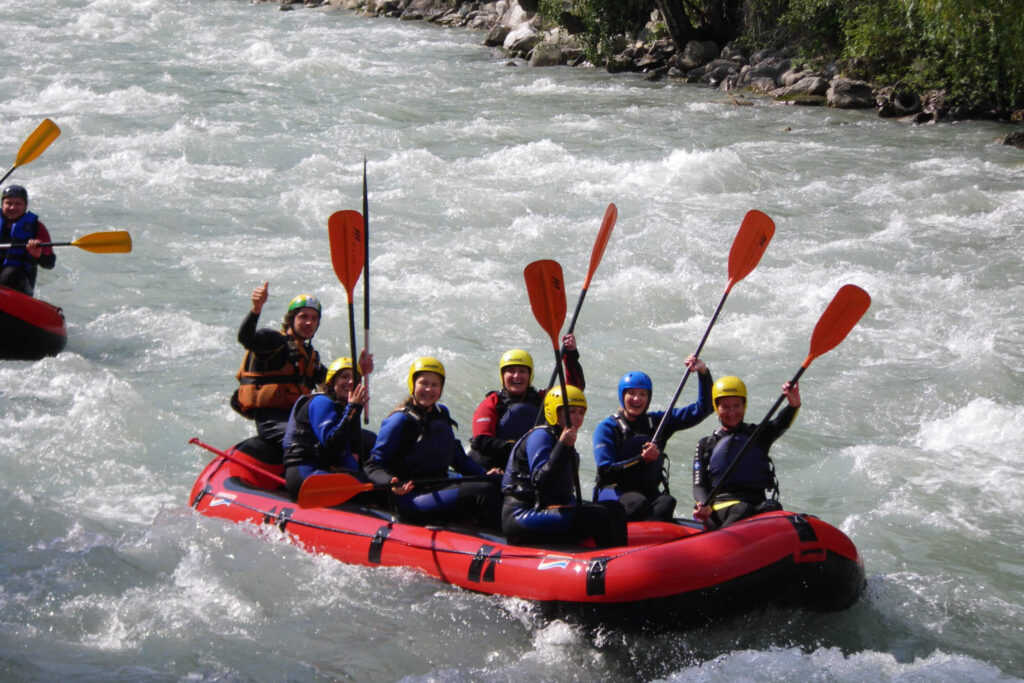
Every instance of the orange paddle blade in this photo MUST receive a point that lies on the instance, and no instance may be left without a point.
(348, 251)
(755, 232)
(37, 142)
(611, 215)
(325, 490)
(546, 290)
(846, 308)
(110, 242)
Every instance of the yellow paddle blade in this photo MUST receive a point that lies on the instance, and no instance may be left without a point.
(37, 142)
(111, 242)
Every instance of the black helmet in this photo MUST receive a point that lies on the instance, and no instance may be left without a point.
(16, 191)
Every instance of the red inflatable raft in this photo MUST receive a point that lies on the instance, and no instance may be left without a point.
(668, 573)
(30, 329)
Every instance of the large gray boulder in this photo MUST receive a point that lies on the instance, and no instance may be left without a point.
(846, 93)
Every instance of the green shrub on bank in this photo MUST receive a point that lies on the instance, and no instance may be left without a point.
(972, 49)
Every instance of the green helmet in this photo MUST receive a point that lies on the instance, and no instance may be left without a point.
(304, 301)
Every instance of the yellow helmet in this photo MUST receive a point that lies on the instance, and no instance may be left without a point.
(339, 364)
(515, 357)
(425, 364)
(553, 401)
(728, 386)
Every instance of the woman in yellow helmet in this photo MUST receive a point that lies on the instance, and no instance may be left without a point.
(417, 441)
(539, 484)
(323, 433)
(504, 416)
(742, 491)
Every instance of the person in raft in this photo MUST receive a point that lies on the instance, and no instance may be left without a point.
(323, 434)
(417, 441)
(504, 416)
(632, 469)
(743, 492)
(539, 484)
(278, 367)
(26, 234)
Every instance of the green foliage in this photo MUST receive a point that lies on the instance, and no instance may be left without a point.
(973, 49)
(604, 21)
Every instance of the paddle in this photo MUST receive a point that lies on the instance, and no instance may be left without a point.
(34, 145)
(755, 233)
(547, 299)
(238, 461)
(110, 242)
(611, 214)
(846, 308)
(325, 490)
(345, 230)
(366, 284)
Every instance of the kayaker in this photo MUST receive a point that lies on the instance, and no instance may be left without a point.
(23, 230)
(278, 367)
(323, 434)
(504, 416)
(417, 441)
(539, 484)
(632, 469)
(743, 492)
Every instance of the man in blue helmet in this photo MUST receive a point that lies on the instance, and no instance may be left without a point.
(26, 234)
(630, 467)
(279, 367)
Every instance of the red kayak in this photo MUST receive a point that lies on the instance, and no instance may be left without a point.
(669, 573)
(30, 329)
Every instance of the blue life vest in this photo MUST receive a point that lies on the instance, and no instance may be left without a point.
(428, 445)
(754, 470)
(630, 437)
(21, 231)
(518, 417)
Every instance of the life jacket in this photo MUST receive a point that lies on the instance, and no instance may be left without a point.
(21, 231)
(427, 445)
(302, 442)
(279, 388)
(754, 473)
(645, 477)
(517, 482)
(515, 418)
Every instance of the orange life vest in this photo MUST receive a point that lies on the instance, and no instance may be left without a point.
(279, 388)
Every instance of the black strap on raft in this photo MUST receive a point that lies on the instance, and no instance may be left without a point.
(377, 544)
(483, 564)
(595, 575)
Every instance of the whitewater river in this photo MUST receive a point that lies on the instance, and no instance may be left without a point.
(223, 134)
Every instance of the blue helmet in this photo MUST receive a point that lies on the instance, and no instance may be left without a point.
(634, 380)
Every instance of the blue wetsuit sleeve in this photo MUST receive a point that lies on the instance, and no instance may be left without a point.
(333, 429)
(606, 453)
(693, 414)
(463, 464)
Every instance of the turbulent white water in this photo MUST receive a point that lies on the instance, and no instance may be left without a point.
(223, 134)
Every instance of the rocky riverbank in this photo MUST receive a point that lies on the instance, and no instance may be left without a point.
(514, 26)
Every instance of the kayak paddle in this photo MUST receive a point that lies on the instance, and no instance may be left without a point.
(846, 308)
(755, 233)
(109, 242)
(34, 145)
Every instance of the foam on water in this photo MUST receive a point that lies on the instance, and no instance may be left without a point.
(222, 135)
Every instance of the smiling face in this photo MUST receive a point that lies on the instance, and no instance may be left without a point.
(341, 383)
(635, 401)
(516, 379)
(14, 208)
(730, 411)
(305, 323)
(426, 389)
